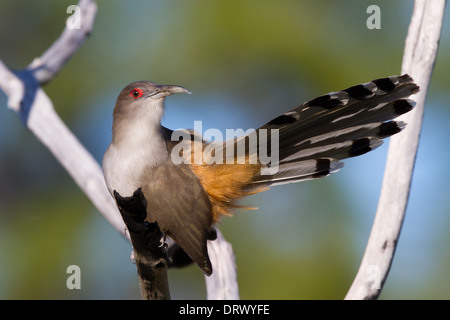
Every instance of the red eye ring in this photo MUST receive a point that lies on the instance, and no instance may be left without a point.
(136, 93)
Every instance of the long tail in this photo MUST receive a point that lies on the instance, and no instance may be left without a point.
(314, 136)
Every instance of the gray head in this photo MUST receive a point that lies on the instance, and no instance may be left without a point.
(140, 105)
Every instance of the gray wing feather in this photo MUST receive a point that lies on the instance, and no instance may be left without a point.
(179, 204)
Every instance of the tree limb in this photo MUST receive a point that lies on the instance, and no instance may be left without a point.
(51, 62)
(222, 284)
(36, 111)
(418, 61)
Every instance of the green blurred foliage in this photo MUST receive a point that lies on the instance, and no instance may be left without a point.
(245, 61)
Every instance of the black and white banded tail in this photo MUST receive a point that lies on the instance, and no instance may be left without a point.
(317, 134)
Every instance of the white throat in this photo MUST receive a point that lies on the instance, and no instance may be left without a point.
(137, 145)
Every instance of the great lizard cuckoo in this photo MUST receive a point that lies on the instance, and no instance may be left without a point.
(186, 199)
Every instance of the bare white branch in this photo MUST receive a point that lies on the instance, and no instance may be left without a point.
(222, 284)
(419, 57)
(51, 62)
(12, 86)
(38, 114)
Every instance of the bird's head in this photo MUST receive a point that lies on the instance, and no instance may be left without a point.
(141, 103)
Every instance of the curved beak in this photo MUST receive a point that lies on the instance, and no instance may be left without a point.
(167, 90)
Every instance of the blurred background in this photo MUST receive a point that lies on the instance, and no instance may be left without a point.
(245, 62)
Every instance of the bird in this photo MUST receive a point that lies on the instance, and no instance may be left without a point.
(188, 198)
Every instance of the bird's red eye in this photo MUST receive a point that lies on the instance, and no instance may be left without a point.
(136, 93)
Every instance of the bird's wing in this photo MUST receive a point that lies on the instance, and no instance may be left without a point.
(177, 201)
